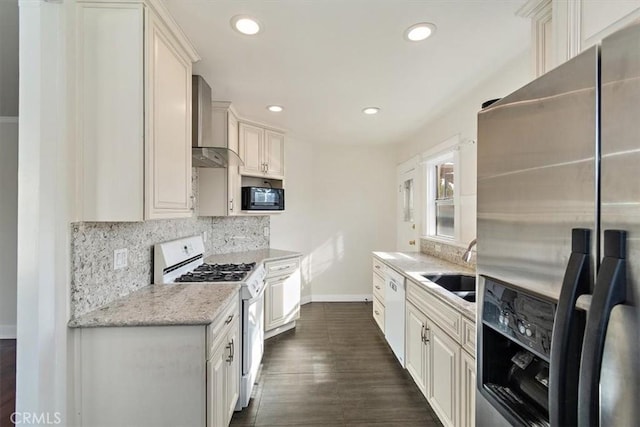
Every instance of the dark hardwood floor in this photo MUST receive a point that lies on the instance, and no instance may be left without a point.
(7, 381)
(334, 369)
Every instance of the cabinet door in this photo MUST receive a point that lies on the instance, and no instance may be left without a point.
(233, 370)
(110, 132)
(467, 390)
(415, 356)
(217, 387)
(251, 140)
(443, 371)
(274, 303)
(233, 179)
(168, 147)
(274, 154)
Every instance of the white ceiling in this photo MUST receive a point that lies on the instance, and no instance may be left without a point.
(325, 60)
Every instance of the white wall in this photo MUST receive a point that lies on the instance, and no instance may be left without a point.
(45, 192)
(8, 165)
(340, 208)
(460, 118)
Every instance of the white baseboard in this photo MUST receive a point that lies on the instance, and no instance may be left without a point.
(7, 332)
(341, 298)
(305, 300)
(279, 330)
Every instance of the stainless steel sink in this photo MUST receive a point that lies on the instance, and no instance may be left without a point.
(460, 285)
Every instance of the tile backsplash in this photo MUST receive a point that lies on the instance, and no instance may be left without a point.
(448, 252)
(94, 282)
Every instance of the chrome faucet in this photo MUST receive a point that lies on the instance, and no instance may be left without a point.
(466, 257)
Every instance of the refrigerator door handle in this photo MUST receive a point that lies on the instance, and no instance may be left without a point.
(610, 290)
(568, 329)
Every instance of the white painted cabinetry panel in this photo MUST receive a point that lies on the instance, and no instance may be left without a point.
(467, 390)
(262, 151)
(443, 372)
(168, 168)
(134, 113)
(251, 149)
(110, 83)
(415, 356)
(282, 294)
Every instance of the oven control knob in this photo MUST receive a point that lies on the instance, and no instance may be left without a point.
(501, 319)
(529, 332)
(521, 327)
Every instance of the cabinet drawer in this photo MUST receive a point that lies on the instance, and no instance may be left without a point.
(378, 313)
(218, 330)
(282, 267)
(442, 314)
(378, 267)
(469, 336)
(378, 287)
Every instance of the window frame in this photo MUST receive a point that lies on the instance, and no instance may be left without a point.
(450, 155)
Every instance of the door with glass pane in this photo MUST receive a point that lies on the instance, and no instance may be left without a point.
(408, 213)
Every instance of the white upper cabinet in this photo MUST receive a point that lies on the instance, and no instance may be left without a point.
(133, 113)
(274, 153)
(262, 151)
(251, 149)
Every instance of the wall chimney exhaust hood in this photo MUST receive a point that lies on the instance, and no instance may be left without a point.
(205, 152)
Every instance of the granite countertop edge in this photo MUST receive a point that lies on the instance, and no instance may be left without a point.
(413, 264)
(162, 305)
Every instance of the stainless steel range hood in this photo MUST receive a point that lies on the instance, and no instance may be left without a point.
(206, 153)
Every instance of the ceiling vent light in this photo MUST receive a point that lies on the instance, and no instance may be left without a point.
(275, 108)
(419, 32)
(371, 110)
(245, 25)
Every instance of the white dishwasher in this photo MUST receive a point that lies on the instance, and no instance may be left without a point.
(394, 292)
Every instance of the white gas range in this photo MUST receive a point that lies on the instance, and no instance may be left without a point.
(182, 261)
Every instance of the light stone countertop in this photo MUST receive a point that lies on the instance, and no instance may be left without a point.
(158, 305)
(176, 304)
(257, 256)
(413, 264)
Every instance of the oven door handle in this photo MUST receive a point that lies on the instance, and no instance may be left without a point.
(568, 330)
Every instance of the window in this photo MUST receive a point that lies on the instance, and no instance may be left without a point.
(444, 203)
(442, 196)
(407, 196)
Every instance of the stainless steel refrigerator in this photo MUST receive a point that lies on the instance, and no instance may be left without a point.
(559, 245)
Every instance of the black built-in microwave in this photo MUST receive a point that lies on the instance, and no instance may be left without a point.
(262, 199)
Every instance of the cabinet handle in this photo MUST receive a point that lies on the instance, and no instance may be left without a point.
(267, 167)
(422, 334)
(232, 350)
(377, 287)
(229, 319)
(426, 332)
(377, 312)
(377, 267)
(231, 205)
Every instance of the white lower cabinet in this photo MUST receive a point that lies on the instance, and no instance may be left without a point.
(282, 294)
(159, 376)
(416, 346)
(467, 390)
(437, 361)
(223, 378)
(443, 362)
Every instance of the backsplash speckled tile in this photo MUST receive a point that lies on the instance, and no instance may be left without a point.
(447, 252)
(95, 283)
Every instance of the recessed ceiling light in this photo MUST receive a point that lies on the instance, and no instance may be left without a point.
(245, 25)
(419, 32)
(275, 108)
(371, 110)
